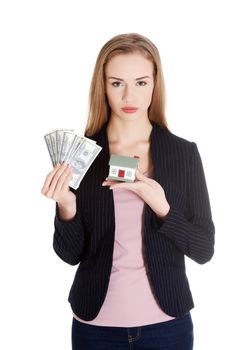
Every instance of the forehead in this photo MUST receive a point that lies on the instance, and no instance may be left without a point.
(129, 66)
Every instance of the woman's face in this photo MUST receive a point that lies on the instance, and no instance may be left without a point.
(129, 83)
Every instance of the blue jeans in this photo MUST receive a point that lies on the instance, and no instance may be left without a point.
(176, 334)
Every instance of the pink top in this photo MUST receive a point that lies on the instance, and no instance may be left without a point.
(129, 301)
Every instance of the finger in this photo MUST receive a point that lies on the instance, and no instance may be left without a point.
(48, 179)
(127, 185)
(109, 182)
(55, 178)
(65, 185)
(62, 181)
(142, 177)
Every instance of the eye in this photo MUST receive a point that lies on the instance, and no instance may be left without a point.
(144, 83)
(115, 82)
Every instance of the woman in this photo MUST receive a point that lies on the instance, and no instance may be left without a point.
(130, 290)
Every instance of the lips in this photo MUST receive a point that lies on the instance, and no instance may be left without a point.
(129, 109)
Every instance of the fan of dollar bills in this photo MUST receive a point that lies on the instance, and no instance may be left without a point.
(66, 146)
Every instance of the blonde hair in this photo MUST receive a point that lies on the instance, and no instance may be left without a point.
(98, 107)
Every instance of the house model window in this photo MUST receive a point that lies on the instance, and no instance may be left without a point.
(123, 168)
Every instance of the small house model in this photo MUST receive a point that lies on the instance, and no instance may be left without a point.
(122, 168)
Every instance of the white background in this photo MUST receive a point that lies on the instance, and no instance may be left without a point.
(48, 52)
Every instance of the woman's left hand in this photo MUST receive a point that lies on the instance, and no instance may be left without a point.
(148, 189)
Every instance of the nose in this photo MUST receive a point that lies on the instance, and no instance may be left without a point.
(128, 94)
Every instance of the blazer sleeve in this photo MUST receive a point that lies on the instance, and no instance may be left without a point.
(68, 238)
(193, 234)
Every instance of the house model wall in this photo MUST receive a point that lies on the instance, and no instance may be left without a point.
(123, 168)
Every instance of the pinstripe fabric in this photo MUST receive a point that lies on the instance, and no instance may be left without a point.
(88, 239)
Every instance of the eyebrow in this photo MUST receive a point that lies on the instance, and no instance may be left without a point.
(146, 76)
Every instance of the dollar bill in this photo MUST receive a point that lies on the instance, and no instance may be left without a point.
(74, 146)
(53, 141)
(68, 141)
(65, 146)
(52, 136)
(50, 149)
(81, 161)
(59, 141)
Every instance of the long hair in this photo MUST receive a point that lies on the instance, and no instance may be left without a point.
(98, 107)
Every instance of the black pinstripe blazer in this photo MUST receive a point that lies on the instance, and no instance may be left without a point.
(88, 239)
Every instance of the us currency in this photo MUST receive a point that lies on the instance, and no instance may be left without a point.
(81, 160)
(59, 141)
(69, 140)
(66, 146)
(52, 136)
(75, 145)
(50, 148)
(53, 141)
(72, 150)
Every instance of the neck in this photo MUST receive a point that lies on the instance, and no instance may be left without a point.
(129, 132)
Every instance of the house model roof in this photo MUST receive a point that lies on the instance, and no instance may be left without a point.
(123, 161)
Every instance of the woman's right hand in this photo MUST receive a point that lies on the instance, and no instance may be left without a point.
(56, 185)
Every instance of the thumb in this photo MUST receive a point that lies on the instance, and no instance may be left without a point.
(139, 175)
